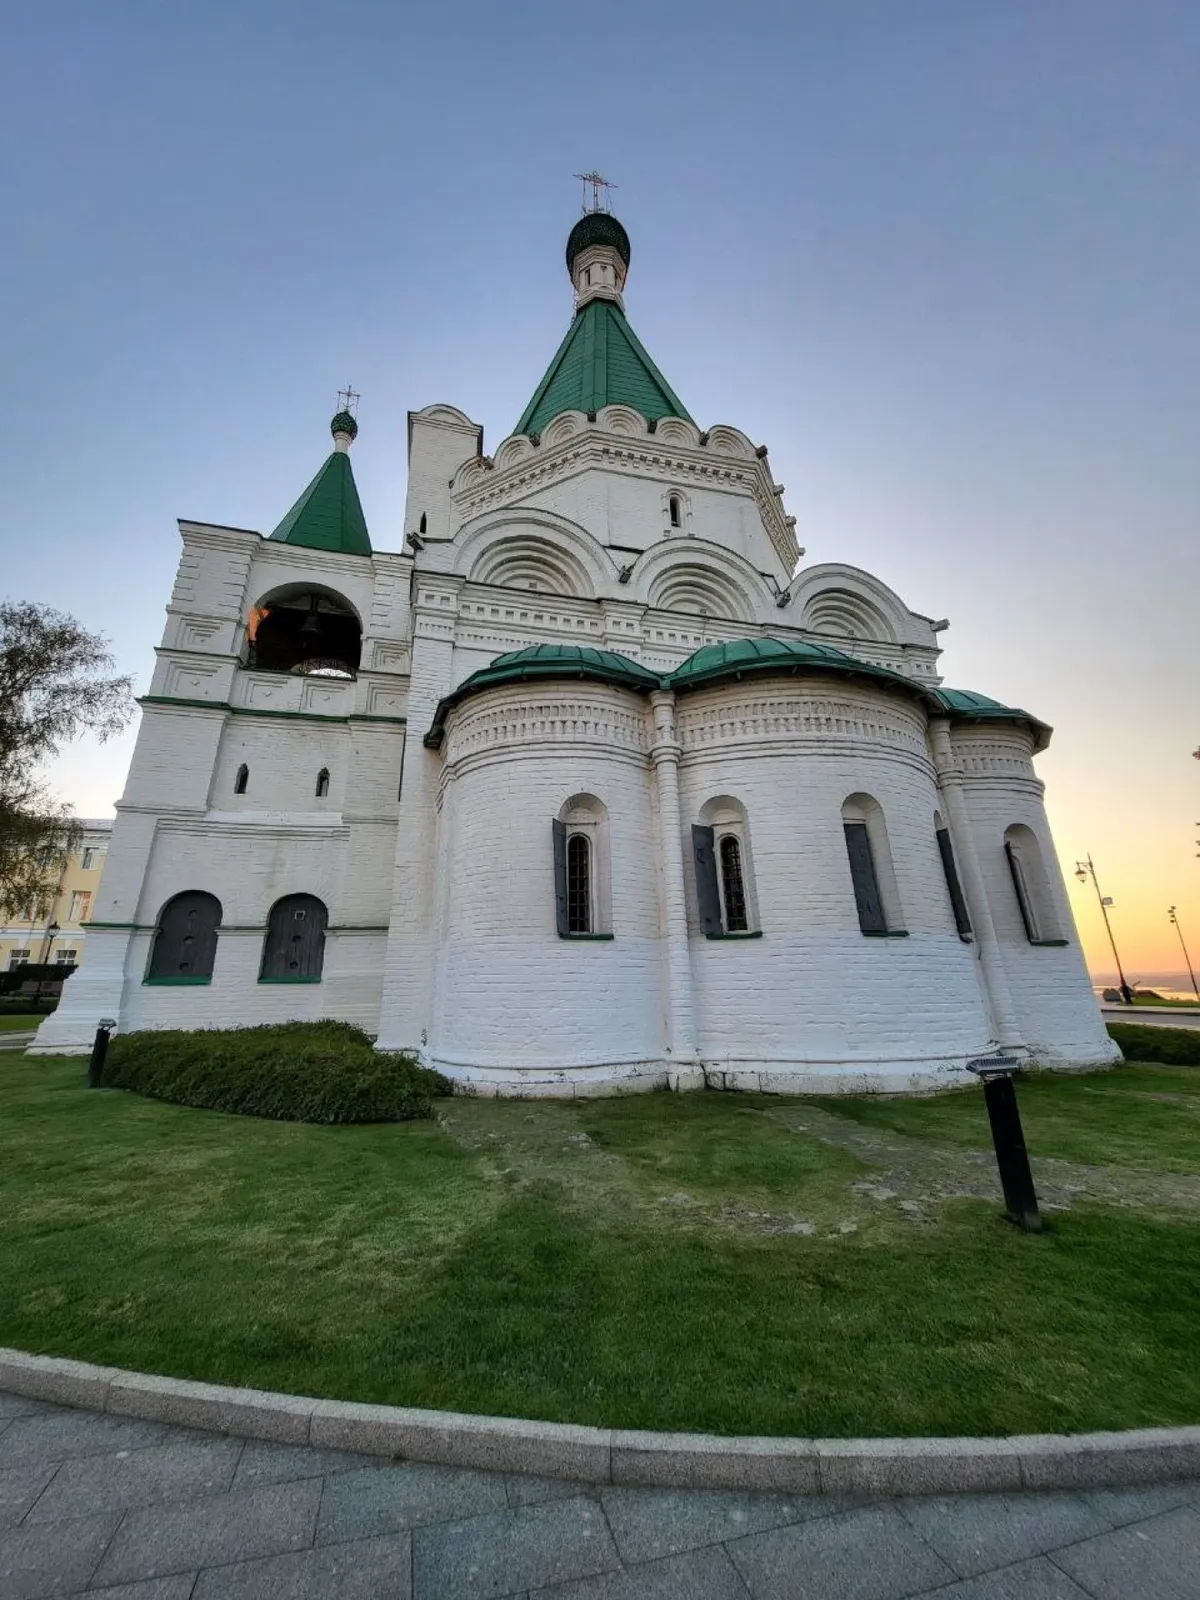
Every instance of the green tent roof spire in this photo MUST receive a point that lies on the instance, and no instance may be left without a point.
(329, 514)
(601, 362)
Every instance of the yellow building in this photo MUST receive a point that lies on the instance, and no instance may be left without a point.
(54, 931)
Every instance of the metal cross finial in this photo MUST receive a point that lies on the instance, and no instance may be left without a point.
(598, 183)
(348, 399)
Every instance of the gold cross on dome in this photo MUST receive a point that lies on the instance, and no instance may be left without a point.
(598, 183)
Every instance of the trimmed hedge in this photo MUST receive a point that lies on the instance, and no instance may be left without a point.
(26, 1005)
(1140, 1041)
(291, 1072)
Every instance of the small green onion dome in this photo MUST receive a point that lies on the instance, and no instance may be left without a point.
(344, 423)
(597, 227)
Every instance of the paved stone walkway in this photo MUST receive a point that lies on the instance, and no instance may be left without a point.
(121, 1510)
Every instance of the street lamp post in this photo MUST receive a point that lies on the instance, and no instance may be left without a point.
(1084, 869)
(47, 945)
(1184, 948)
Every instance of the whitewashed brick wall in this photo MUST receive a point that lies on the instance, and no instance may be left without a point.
(180, 825)
(1051, 990)
(814, 999)
(514, 998)
(456, 860)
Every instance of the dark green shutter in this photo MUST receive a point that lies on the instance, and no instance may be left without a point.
(1027, 917)
(185, 943)
(962, 918)
(708, 899)
(559, 830)
(294, 948)
(866, 884)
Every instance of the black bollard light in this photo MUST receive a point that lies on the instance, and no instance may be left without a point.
(99, 1051)
(1000, 1096)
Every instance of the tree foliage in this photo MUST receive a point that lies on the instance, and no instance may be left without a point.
(55, 684)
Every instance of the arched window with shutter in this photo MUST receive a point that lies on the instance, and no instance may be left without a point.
(294, 948)
(876, 896)
(1031, 886)
(185, 940)
(583, 903)
(725, 898)
(958, 902)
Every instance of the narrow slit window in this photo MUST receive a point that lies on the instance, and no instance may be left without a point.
(1021, 886)
(322, 783)
(962, 918)
(867, 897)
(733, 886)
(242, 779)
(673, 511)
(579, 885)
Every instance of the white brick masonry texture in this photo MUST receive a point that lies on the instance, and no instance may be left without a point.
(536, 1001)
(1051, 990)
(814, 998)
(437, 866)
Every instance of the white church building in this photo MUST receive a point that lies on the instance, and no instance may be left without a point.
(589, 786)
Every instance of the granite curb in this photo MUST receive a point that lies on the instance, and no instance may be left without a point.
(618, 1456)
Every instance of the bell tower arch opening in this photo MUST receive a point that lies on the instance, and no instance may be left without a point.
(307, 630)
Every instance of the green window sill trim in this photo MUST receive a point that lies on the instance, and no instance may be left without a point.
(583, 938)
(1050, 944)
(749, 933)
(176, 981)
(887, 933)
(260, 711)
(289, 980)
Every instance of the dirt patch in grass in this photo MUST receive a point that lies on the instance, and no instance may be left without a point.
(913, 1178)
(680, 1163)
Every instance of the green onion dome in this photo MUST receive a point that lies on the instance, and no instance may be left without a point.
(344, 423)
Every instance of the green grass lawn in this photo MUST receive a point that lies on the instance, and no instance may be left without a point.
(16, 1022)
(1154, 1000)
(735, 1263)
(1145, 1116)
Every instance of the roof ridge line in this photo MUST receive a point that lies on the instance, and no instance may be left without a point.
(584, 376)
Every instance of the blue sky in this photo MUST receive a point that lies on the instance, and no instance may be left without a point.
(941, 256)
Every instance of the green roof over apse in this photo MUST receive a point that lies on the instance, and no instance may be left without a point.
(740, 658)
(966, 705)
(601, 362)
(725, 662)
(545, 661)
(329, 515)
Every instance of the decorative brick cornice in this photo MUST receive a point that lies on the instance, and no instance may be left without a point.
(790, 715)
(645, 456)
(561, 714)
